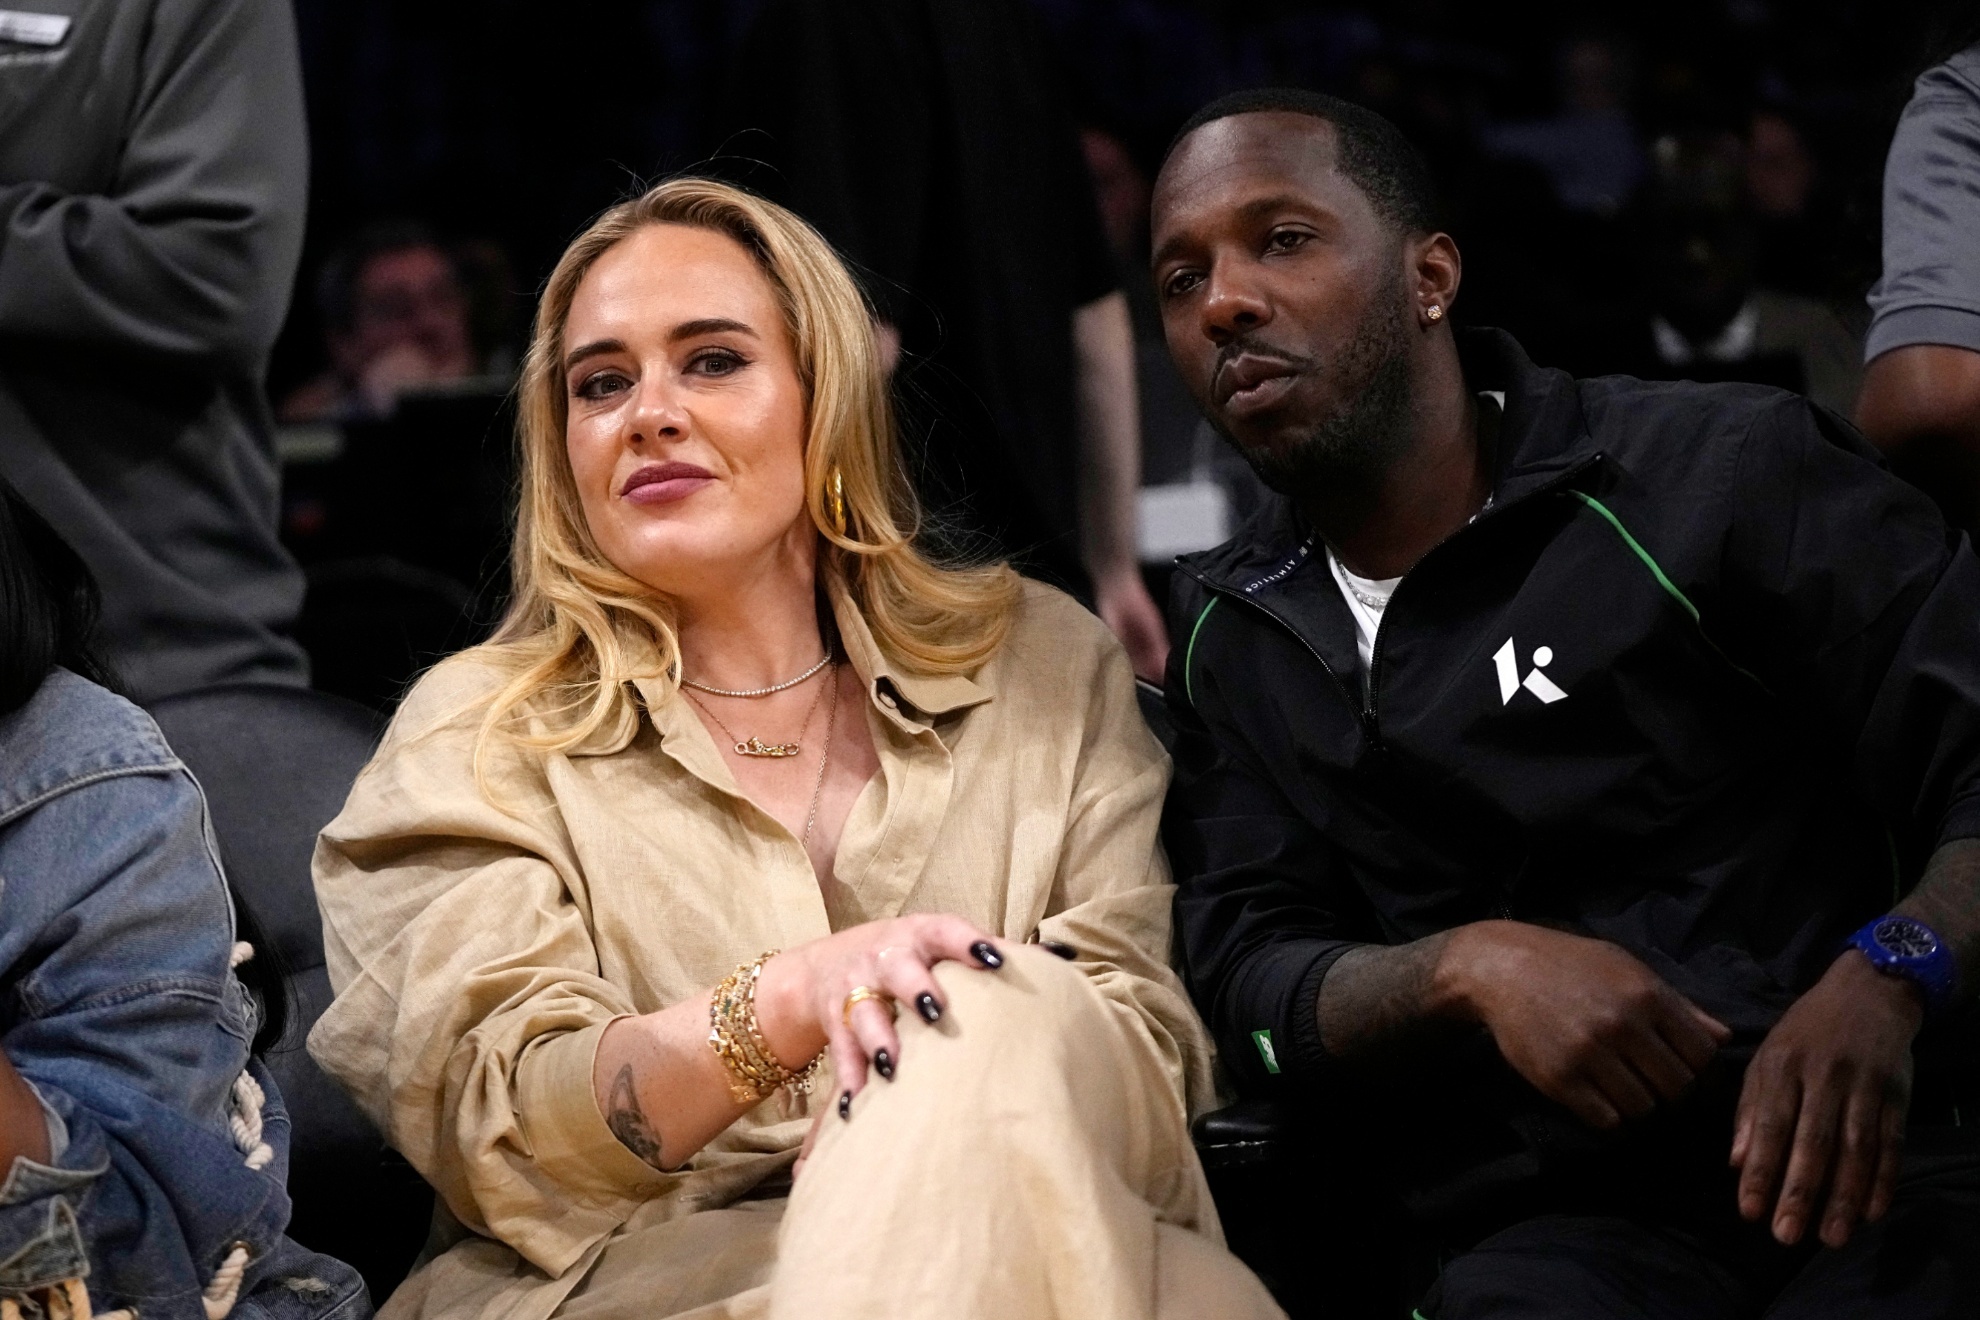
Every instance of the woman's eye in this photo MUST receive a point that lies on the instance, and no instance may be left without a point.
(722, 362)
(600, 384)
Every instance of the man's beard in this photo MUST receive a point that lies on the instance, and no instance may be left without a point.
(1357, 444)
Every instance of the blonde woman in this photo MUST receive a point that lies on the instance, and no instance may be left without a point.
(743, 835)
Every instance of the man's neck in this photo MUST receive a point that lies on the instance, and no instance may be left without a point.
(1380, 524)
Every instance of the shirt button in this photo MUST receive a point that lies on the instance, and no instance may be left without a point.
(887, 700)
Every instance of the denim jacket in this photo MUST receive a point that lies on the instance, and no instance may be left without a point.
(118, 1005)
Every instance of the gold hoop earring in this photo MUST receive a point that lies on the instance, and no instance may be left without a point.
(835, 500)
(1435, 313)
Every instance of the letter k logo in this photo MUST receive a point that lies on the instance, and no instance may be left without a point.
(1506, 659)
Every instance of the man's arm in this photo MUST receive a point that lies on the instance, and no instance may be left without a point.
(1921, 405)
(1262, 906)
(1586, 1023)
(1825, 1100)
(191, 251)
(1110, 477)
(1844, 593)
(1922, 393)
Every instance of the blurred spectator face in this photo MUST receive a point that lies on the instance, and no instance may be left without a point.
(1702, 265)
(1120, 189)
(1593, 77)
(1701, 237)
(1283, 296)
(408, 323)
(1780, 170)
(685, 417)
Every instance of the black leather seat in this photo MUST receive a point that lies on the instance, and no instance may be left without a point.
(276, 764)
(1297, 1202)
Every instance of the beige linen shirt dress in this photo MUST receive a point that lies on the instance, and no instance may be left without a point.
(478, 953)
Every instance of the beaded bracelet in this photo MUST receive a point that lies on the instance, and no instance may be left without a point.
(737, 1039)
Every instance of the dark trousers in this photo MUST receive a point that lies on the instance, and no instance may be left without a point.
(1921, 1262)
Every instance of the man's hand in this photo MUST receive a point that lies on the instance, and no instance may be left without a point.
(1587, 1024)
(1826, 1097)
(1124, 605)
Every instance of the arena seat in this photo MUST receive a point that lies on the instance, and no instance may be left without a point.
(1296, 1205)
(276, 764)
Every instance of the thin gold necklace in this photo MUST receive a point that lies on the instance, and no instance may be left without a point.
(818, 784)
(754, 746)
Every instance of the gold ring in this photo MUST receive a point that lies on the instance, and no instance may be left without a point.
(861, 993)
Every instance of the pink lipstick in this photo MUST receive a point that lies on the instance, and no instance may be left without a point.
(664, 483)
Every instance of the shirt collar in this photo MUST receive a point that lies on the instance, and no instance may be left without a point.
(900, 694)
(906, 699)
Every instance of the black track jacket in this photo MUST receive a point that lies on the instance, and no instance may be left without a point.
(1702, 680)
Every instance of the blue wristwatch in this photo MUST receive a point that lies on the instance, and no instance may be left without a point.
(1901, 946)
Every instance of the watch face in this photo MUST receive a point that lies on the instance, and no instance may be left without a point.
(1906, 939)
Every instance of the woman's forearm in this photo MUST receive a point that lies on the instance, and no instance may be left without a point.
(23, 1124)
(662, 1089)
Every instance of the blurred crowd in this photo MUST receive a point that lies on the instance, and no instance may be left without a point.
(262, 517)
(1674, 190)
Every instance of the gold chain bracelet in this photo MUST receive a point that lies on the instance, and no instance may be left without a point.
(737, 1039)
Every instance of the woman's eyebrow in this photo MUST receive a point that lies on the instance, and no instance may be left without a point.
(708, 325)
(591, 350)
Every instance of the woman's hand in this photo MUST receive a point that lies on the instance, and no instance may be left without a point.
(801, 993)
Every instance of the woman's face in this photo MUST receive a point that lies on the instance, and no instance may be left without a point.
(686, 415)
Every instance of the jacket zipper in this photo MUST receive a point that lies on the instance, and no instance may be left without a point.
(1364, 707)
(1489, 511)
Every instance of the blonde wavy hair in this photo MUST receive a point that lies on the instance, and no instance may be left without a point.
(578, 629)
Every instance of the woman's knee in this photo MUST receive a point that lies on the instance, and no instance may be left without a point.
(1036, 1003)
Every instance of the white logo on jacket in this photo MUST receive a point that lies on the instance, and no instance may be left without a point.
(1506, 659)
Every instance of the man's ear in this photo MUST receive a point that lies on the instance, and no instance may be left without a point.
(1435, 270)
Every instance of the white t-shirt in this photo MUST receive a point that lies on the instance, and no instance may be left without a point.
(1366, 599)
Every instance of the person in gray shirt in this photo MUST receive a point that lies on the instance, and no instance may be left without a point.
(1921, 392)
(153, 173)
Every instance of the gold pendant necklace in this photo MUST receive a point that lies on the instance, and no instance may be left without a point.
(754, 746)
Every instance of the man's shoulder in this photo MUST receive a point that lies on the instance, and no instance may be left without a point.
(1652, 426)
(1628, 405)
(1955, 84)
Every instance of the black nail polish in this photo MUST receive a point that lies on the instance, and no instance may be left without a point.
(924, 1004)
(986, 955)
(1066, 951)
(846, 1105)
(883, 1063)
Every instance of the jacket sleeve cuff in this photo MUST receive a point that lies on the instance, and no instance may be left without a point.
(1282, 1045)
(1962, 819)
(1901, 327)
(568, 1140)
(18, 1176)
(40, 1241)
(1310, 1056)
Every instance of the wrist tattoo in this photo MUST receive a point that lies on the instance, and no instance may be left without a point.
(628, 1121)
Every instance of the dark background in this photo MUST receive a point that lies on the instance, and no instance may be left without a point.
(512, 123)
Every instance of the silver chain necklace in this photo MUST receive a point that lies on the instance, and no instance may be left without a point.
(757, 692)
(1376, 603)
